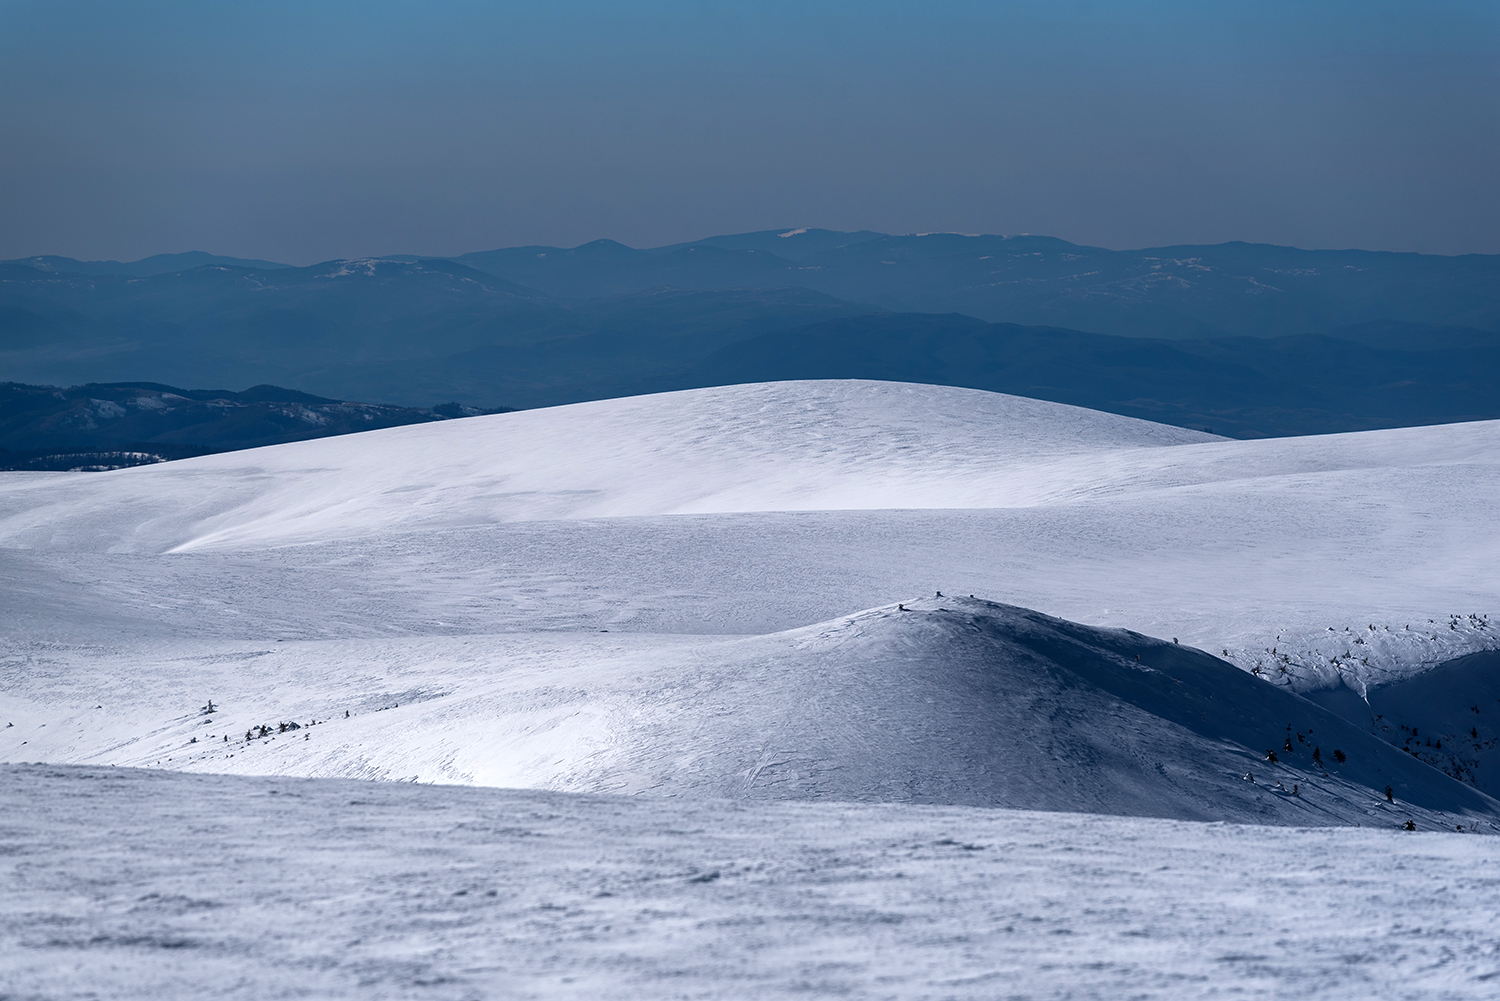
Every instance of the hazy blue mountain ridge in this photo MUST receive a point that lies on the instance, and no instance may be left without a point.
(790, 244)
(1187, 291)
(605, 267)
(1249, 340)
(157, 264)
(403, 332)
(218, 325)
(1237, 386)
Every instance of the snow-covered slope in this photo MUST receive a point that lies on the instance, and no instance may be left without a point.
(1337, 564)
(1247, 547)
(943, 700)
(812, 446)
(772, 447)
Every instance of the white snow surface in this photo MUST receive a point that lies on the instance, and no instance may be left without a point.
(124, 884)
(814, 499)
(799, 446)
(937, 701)
(661, 596)
(1331, 563)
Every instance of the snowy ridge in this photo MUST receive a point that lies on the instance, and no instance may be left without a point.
(944, 700)
(833, 445)
(1337, 657)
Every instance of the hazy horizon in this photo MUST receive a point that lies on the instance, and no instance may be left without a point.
(287, 133)
(471, 250)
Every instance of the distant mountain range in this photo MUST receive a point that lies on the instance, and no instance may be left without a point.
(130, 424)
(402, 332)
(1193, 291)
(158, 264)
(1249, 340)
(1369, 376)
(1187, 291)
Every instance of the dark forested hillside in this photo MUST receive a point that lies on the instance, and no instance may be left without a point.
(129, 424)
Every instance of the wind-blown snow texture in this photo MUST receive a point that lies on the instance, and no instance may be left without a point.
(189, 886)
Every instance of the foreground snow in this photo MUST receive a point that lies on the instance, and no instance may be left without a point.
(130, 884)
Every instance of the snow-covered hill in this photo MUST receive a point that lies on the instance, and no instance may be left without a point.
(1335, 564)
(942, 700)
(773, 447)
(1238, 546)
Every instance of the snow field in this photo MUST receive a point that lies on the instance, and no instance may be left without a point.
(449, 587)
(122, 883)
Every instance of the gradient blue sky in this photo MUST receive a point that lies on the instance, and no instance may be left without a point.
(305, 131)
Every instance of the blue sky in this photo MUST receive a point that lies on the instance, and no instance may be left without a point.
(307, 131)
